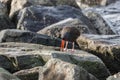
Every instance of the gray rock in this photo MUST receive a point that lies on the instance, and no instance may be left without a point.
(28, 74)
(114, 77)
(83, 59)
(56, 69)
(105, 46)
(16, 56)
(35, 18)
(5, 75)
(16, 5)
(14, 35)
(20, 61)
(55, 29)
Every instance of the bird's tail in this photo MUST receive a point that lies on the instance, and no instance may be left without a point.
(62, 45)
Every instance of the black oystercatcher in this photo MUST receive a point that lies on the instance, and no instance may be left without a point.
(69, 34)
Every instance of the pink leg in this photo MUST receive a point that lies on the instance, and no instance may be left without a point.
(65, 49)
(73, 45)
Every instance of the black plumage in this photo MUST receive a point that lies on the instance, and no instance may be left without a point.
(70, 34)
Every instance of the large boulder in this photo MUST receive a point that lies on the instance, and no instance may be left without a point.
(55, 29)
(107, 47)
(83, 59)
(14, 35)
(18, 56)
(5, 75)
(56, 69)
(91, 3)
(16, 5)
(35, 18)
(28, 74)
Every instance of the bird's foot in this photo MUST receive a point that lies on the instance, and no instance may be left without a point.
(72, 50)
(65, 49)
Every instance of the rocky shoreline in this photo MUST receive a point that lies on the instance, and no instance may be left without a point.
(30, 40)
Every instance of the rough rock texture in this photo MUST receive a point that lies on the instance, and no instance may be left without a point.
(28, 74)
(83, 59)
(7, 3)
(105, 46)
(114, 77)
(56, 69)
(55, 29)
(110, 15)
(16, 5)
(5, 75)
(14, 35)
(19, 56)
(101, 25)
(35, 18)
(88, 61)
(91, 3)
(20, 61)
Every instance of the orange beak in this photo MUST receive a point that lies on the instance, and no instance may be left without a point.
(62, 45)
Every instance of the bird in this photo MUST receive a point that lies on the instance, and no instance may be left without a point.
(69, 34)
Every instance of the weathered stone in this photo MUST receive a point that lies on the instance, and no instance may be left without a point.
(5, 75)
(55, 29)
(83, 59)
(107, 47)
(114, 77)
(16, 5)
(14, 35)
(28, 74)
(20, 61)
(35, 18)
(56, 69)
(18, 56)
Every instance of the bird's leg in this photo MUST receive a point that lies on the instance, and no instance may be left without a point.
(65, 49)
(73, 46)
